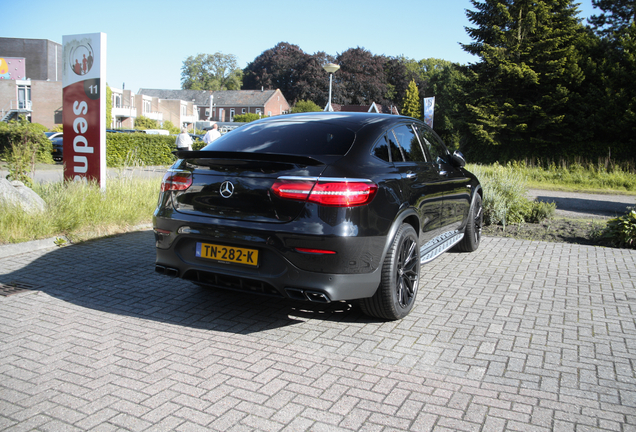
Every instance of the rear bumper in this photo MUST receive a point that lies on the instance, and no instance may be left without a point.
(294, 284)
(349, 275)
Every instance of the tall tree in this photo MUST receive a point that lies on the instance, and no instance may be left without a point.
(277, 68)
(610, 95)
(411, 106)
(616, 17)
(311, 80)
(448, 84)
(398, 77)
(211, 72)
(528, 73)
(361, 79)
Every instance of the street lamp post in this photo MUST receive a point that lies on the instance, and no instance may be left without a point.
(331, 68)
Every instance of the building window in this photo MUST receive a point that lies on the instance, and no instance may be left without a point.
(231, 114)
(24, 96)
(243, 111)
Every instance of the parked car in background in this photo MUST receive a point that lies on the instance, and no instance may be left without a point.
(58, 147)
(318, 207)
(56, 140)
(51, 135)
(154, 131)
(121, 130)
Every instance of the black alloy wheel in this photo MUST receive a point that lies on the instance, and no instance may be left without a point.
(472, 234)
(396, 294)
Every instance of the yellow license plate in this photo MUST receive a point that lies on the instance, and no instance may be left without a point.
(227, 253)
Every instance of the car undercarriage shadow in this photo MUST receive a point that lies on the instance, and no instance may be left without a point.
(116, 275)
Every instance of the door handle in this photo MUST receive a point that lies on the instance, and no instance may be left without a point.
(411, 175)
(443, 173)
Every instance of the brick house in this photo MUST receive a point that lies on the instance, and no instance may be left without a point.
(32, 85)
(226, 103)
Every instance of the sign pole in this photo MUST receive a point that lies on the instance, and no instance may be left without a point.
(84, 107)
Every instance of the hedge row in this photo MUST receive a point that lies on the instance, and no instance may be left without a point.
(139, 149)
(122, 149)
(16, 133)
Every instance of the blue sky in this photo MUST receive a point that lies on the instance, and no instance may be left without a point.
(148, 41)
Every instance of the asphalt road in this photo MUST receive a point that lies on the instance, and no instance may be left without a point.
(585, 205)
(51, 173)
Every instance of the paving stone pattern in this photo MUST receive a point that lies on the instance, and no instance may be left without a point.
(519, 336)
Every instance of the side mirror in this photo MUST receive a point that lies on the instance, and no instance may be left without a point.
(457, 159)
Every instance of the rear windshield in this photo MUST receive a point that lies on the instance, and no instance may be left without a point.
(287, 137)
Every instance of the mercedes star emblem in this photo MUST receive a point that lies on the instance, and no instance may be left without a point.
(227, 189)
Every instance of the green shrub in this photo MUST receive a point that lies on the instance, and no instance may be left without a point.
(142, 122)
(22, 144)
(506, 197)
(246, 118)
(17, 132)
(139, 149)
(621, 231)
(170, 127)
(305, 106)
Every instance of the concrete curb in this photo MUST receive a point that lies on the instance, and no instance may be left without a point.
(30, 246)
(49, 243)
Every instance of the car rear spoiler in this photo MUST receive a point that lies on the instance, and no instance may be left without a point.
(248, 156)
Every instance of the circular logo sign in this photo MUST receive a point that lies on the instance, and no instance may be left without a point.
(81, 59)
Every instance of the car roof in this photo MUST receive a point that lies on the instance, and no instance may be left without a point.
(352, 120)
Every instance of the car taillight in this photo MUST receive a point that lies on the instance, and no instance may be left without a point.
(176, 181)
(327, 192)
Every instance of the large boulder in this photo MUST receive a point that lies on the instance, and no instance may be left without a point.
(16, 193)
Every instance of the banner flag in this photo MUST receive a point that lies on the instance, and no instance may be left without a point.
(84, 107)
(429, 110)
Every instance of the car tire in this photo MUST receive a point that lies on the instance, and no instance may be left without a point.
(472, 233)
(396, 294)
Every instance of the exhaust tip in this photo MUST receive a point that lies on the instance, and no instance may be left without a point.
(312, 296)
(172, 272)
(317, 297)
(296, 294)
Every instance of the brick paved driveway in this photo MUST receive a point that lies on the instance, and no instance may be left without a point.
(518, 336)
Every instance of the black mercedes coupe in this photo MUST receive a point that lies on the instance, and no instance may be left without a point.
(321, 207)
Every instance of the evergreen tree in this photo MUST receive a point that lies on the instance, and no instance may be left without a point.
(527, 76)
(610, 95)
(411, 106)
(617, 16)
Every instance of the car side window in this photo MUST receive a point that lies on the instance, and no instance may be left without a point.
(381, 149)
(409, 143)
(435, 148)
(396, 153)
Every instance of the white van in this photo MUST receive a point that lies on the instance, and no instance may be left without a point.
(155, 131)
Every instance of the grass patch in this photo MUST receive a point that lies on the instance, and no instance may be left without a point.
(506, 197)
(604, 176)
(80, 211)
